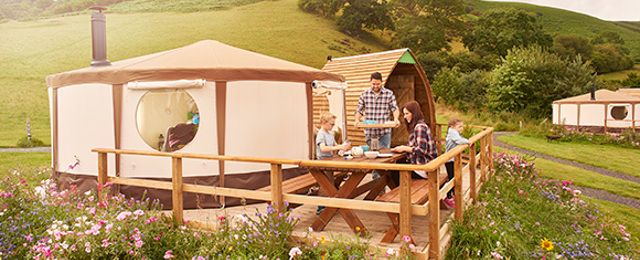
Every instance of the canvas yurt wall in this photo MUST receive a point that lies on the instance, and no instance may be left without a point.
(609, 111)
(205, 98)
(401, 73)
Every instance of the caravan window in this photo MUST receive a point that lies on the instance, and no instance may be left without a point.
(167, 120)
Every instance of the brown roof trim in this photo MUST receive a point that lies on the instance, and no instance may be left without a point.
(211, 74)
(595, 102)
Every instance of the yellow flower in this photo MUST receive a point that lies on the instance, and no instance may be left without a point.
(230, 248)
(546, 244)
(357, 228)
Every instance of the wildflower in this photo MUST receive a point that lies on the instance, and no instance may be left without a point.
(391, 252)
(168, 255)
(294, 252)
(406, 239)
(496, 255)
(546, 244)
(87, 247)
(123, 215)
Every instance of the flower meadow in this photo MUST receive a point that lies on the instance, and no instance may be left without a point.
(38, 221)
(522, 216)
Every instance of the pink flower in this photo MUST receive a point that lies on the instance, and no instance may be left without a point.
(138, 213)
(406, 238)
(87, 247)
(496, 255)
(123, 215)
(520, 192)
(168, 255)
(139, 243)
(537, 223)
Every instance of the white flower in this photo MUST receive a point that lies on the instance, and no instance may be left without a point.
(294, 252)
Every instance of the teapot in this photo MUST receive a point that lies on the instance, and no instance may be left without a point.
(357, 151)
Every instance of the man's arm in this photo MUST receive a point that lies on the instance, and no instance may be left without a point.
(396, 117)
(358, 115)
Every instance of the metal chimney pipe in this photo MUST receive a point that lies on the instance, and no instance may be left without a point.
(99, 37)
(593, 92)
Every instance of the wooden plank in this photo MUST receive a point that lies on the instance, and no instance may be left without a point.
(176, 194)
(102, 173)
(457, 166)
(163, 185)
(231, 192)
(434, 217)
(490, 148)
(276, 186)
(472, 172)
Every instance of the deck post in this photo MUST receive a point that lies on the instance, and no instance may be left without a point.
(276, 186)
(102, 172)
(472, 173)
(405, 204)
(438, 135)
(457, 177)
(434, 216)
(176, 192)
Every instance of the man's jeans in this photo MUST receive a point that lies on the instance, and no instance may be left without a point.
(384, 142)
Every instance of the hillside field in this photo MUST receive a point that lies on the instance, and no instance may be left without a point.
(31, 50)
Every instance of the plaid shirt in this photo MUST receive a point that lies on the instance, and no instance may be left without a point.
(423, 147)
(377, 107)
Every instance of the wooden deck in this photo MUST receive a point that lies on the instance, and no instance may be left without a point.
(376, 222)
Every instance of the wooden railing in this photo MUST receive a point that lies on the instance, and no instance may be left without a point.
(405, 209)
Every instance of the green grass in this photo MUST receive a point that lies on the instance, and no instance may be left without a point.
(610, 157)
(31, 50)
(583, 178)
(567, 22)
(13, 161)
(621, 75)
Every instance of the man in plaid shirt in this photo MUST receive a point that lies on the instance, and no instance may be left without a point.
(376, 103)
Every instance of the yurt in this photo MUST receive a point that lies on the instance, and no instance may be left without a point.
(204, 98)
(401, 73)
(599, 111)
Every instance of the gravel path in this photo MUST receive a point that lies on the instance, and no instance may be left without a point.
(46, 149)
(594, 193)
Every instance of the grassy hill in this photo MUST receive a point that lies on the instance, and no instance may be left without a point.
(31, 50)
(567, 22)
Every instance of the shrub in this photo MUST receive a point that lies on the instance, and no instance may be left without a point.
(32, 142)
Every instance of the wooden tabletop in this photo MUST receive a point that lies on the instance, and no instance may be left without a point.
(395, 157)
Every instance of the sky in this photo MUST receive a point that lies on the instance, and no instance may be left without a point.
(611, 10)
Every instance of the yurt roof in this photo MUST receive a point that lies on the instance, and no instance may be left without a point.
(630, 91)
(602, 95)
(208, 59)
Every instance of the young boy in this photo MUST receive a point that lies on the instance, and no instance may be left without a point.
(325, 142)
(453, 139)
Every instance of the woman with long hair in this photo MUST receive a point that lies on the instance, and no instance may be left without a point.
(421, 147)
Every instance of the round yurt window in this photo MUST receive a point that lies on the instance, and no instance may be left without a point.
(167, 120)
(619, 112)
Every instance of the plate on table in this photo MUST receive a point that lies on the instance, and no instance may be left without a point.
(385, 155)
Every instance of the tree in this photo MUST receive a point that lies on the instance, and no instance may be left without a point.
(426, 26)
(571, 45)
(498, 31)
(369, 14)
(530, 79)
(610, 57)
(632, 81)
(608, 37)
(326, 8)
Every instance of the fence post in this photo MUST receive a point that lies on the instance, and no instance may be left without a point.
(176, 192)
(276, 186)
(457, 177)
(102, 172)
(438, 135)
(434, 216)
(405, 204)
(483, 158)
(472, 173)
(490, 148)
